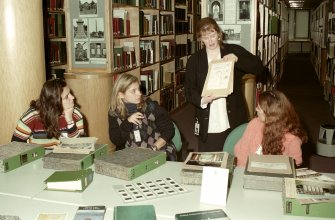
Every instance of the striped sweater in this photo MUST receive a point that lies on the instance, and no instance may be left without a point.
(30, 128)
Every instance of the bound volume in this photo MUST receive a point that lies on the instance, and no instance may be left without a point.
(314, 198)
(90, 213)
(195, 161)
(217, 214)
(70, 161)
(17, 154)
(129, 163)
(135, 212)
(77, 180)
(266, 172)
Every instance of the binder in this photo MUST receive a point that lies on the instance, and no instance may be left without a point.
(70, 180)
(71, 161)
(17, 154)
(292, 205)
(129, 163)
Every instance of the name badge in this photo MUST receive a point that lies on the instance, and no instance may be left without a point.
(196, 127)
(137, 135)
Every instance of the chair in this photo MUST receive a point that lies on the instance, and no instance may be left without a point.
(233, 137)
(177, 138)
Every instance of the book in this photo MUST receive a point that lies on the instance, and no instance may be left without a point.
(70, 161)
(90, 213)
(303, 197)
(220, 78)
(266, 172)
(135, 212)
(84, 145)
(77, 180)
(192, 170)
(129, 163)
(16, 154)
(51, 216)
(217, 214)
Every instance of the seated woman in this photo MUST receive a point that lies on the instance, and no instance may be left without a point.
(276, 130)
(135, 121)
(51, 116)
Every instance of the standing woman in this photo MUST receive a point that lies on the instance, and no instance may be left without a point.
(276, 130)
(51, 116)
(215, 117)
(137, 121)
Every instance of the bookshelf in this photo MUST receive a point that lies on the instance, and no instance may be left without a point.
(151, 39)
(271, 39)
(55, 38)
(319, 35)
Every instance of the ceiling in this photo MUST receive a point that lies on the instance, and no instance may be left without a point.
(307, 4)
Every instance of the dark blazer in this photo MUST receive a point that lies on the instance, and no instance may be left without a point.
(197, 67)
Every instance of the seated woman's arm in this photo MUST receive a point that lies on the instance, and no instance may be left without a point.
(118, 134)
(292, 148)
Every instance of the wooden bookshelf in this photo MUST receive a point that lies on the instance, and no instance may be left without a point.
(150, 39)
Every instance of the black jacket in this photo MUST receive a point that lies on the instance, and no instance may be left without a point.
(197, 67)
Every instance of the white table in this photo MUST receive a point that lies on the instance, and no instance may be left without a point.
(26, 184)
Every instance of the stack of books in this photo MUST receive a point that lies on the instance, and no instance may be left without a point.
(191, 172)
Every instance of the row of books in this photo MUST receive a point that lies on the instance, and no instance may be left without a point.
(148, 24)
(55, 5)
(121, 22)
(147, 52)
(124, 57)
(167, 49)
(180, 14)
(125, 2)
(56, 25)
(57, 53)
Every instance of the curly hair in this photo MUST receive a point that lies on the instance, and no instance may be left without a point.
(280, 118)
(49, 105)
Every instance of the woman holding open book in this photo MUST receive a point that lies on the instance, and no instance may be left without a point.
(216, 116)
(275, 130)
(137, 121)
(51, 116)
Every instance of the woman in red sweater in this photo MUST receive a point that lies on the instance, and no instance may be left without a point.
(275, 130)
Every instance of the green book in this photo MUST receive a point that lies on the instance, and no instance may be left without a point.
(77, 180)
(217, 214)
(135, 212)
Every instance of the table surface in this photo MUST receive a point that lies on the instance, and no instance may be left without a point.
(24, 187)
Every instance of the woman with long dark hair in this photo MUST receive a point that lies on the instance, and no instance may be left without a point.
(276, 130)
(51, 116)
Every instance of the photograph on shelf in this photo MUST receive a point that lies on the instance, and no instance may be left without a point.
(215, 9)
(243, 10)
(80, 28)
(98, 52)
(96, 29)
(80, 52)
(232, 33)
(88, 8)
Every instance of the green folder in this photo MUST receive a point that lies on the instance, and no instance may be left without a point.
(135, 212)
(77, 180)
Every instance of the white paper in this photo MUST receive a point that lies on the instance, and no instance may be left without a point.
(214, 186)
(220, 73)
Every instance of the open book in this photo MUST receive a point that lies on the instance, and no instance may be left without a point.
(84, 145)
(197, 160)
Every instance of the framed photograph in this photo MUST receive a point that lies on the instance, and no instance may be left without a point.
(243, 10)
(215, 9)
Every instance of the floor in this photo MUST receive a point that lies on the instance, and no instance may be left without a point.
(299, 82)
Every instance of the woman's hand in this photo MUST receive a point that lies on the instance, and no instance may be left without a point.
(229, 57)
(207, 99)
(136, 118)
